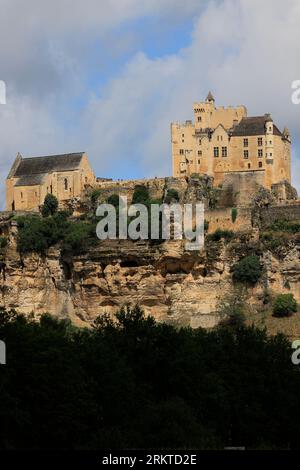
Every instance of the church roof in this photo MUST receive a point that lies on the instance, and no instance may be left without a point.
(253, 126)
(41, 165)
(31, 180)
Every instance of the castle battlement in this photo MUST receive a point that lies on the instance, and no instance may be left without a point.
(224, 139)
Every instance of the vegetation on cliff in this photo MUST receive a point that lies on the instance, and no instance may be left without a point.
(134, 383)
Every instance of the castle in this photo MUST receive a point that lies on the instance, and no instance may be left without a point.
(225, 140)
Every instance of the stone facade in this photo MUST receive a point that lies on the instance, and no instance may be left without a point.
(223, 140)
(31, 179)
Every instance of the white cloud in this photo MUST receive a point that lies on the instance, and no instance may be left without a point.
(246, 52)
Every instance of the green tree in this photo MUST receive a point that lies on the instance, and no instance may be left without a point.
(285, 305)
(248, 270)
(50, 205)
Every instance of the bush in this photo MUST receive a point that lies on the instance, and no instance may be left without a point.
(248, 270)
(94, 196)
(113, 200)
(172, 195)
(141, 195)
(50, 205)
(285, 305)
(36, 234)
(3, 242)
(220, 234)
(234, 214)
(282, 225)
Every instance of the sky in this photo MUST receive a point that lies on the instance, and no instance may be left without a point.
(109, 76)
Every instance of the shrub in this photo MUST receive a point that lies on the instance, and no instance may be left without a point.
(248, 270)
(140, 195)
(283, 225)
(113, 200)
(3, 242)
(234, 214)
(78, 237)
(219, 234)
(50, 205)
(284, 305)
(172, 194)
(94, 196)
(231, 309)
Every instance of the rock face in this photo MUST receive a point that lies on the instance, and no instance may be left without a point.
(168, 282)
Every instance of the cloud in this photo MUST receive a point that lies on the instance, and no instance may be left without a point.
(246, 52)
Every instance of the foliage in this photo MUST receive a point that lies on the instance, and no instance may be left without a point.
(134, 383)
(94, 196)
(36, 234)
(140, 195)
(172, 195)
(3, 242)
(282, 225)
(234, 214)
(248, 270)
(231, 308)
(50, 205)
(113, 200)
(284, 305)
(220, 234)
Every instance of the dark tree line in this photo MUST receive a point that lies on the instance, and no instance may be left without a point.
(134, 383)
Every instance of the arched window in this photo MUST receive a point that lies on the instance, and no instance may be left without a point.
(66, 184)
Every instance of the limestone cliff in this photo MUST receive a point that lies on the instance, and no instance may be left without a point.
(171, 284)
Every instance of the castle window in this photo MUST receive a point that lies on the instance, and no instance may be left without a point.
(249, 165)
(200, 142)
(198, 162)
(224, 151)
(270, 128)
(260, 152)
(182, 135)
(66, 184)
(246, 142)
(181, 151)
(199, 118)
(259, 141)
(182, 140)
(260, 164)
(216, 151)
(200, 152)
(246, 154)
(21, 195)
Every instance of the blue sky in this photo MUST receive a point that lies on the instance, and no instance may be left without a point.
(108, 76)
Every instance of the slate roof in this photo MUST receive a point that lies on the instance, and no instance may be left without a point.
(210, 97)
(253, 126)
(41, 165)
(31, 180)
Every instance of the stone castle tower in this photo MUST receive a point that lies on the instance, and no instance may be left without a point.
(225, 140)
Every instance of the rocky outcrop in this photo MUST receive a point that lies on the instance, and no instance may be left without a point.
(173, 285)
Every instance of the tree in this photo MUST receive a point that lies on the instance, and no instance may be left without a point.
(285, 305)
(248, 270)
(140, 195)
(50, 205)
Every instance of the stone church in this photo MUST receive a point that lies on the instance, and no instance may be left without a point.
(224, 141)
(31, 179)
